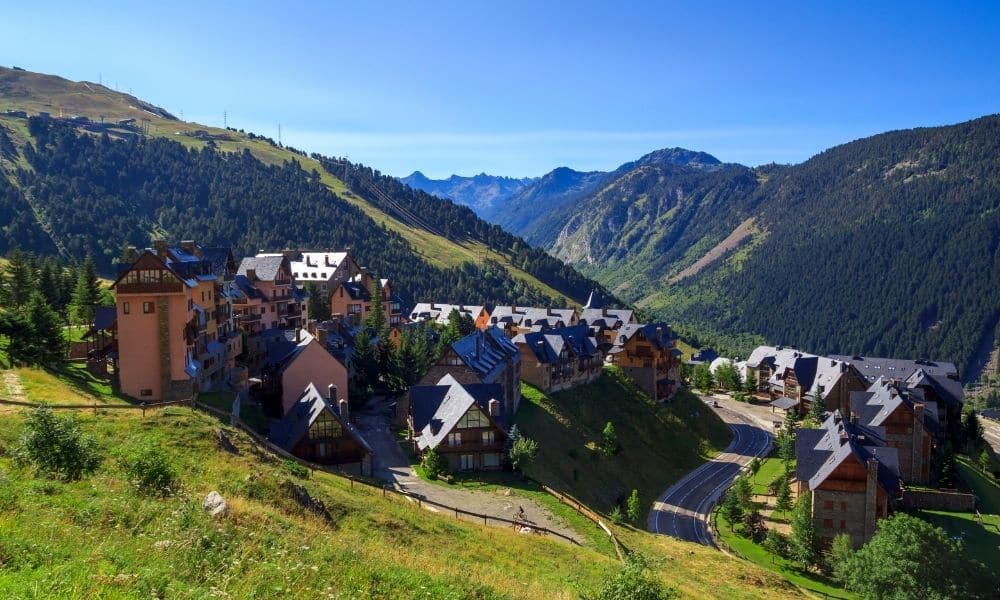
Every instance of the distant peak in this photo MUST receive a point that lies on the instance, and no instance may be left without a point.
(679, 156)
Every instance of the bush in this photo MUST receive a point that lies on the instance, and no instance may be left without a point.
(523, 452)
(609, 440)
(434, 464)
(616, 515)
(776, 543)
(297, 470)
(151, 471)
(56, 446)
(634, 507)
(633, 582)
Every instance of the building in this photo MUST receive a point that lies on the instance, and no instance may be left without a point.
(317, 429)
(559, 359)
(898, 368)
(465, 423)
(605, 324)
(325, 268)
(482, 357)
(439, 313)
(265, 289)
(176, 334)
(353, 299)
(522, 319)
(910, 424)
(649, 355)
(852, 475)
(293, 364)
(799, 376)
(101, 341)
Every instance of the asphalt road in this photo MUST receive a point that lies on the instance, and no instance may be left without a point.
(683, 510)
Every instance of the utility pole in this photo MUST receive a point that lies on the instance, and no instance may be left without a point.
(279, 134)
(225, 119)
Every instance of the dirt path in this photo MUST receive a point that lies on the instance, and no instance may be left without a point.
(392, 465)
(12, 388)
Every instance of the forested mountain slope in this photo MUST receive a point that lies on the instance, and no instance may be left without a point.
(888, 245)
(90, 187)
(484, 194)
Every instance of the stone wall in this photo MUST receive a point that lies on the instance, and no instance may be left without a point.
(939, 500)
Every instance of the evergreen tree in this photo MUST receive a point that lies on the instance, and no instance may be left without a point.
(701, 377)
(318, 303)
(817, 409)
(50, 284)
(86, 294)
(985, 461)
(731, 508)
(841, 551)
(18, 281)
(633, 507)
(972, 428)
(784, 498)
(452, 332)
(46, 336)
(751, 381)
(377, 320)
(365, 364)
(803, 541)
(609, 440)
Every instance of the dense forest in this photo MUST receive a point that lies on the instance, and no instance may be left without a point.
(888, 245)
(97, 194)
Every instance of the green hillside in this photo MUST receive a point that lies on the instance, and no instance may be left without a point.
(101, 537)
(888, 245)
(36, 217)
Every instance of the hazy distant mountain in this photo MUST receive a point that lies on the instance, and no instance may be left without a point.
(483, 193)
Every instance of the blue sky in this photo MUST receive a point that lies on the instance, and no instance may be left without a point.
(519, 88)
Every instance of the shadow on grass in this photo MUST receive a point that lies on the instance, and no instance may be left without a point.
(78, 377)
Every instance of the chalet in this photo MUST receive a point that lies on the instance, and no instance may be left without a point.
(520, 319)
(852, 474)
(464, 422)
(353, 299)
(559, 359)
(792, 375)
(317, 429)
(293, 364)
(605, 324)
(482, 357)
(439, 313)
(325, 268)
(649, 355)
(910, 424)
(268, 291)
(175, 328)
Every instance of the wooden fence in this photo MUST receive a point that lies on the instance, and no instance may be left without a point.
(96, 406)
(586, 512)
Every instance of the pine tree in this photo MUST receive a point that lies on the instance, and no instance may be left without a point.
(377, 320)
(18, 281)
(46, 341)
(452, 332)
(784, 500)
(633, 507)
(803, 542)
(49, 284)
(86, 294)
(319, 302)
(731, 508)
(609, 440)
(817, 410)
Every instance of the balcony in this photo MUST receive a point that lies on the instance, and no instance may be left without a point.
(282, 282)
(252, 318)
(161, 287)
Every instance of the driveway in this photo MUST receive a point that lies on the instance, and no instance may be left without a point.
(392, 465)
(683, 510)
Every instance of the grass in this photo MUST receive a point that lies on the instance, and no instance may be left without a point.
(99, 537)
(987, 491)
(68, 383)
(659, 443)
(755, 553)
(981, 541)
(770, 469)
(220, 400)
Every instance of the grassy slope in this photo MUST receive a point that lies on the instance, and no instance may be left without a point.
(659, 444)
(98, 537)
(53, 94)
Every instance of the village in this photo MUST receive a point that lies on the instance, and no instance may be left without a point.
(191, 321)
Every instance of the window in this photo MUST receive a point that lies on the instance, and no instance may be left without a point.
(488, 437)
(203, 296)
(843, 524)
(325, 427)
(468, 462)
(843, 507)
(827, 523)
(828, 504)
(473, 418)
(454, 439)
(354, 309)
(263, 309)
(146, 392)
(126, 309)
(491, 460)
(147, 307)
(322, 450)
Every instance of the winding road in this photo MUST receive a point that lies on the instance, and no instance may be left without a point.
(683, 510)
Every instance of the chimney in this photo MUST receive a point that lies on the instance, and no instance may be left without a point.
(433, 306)
(321, 334)
(548, 311)
(604, 311)
(331, 394)
(326, 259)
(494, 405)
(131, 254)
(344, 408)
(189, 247)
(161, 247)
(298, 334)
(871, 498)
(252, 274)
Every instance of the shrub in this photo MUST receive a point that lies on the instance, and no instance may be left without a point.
(434, 464)
(616, 515)
(56, 446)
(609, 440)
(151, 471)
(297, 470)
(776, 543)
(634, 507)
(523, 452)
(634, 582)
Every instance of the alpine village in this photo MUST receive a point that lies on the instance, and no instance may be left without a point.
(232, 369)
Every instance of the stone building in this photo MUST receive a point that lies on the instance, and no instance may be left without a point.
(649, 355)
(559, 359)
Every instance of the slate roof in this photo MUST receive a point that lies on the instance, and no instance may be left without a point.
(607, 317)
(246, 287)
(218, 257)
(486, 352)
(529, 316)
(178, 269)
(948, 389)
(436, 409)
(547, 345)
(658, 334)
(811, 371)
(898, 368)
(283, 351)
(266, 266)
(819, 452)
(287, 432)
(105, 317)
(874, 406)
(784, 403)
(433, 311)
(316, 266)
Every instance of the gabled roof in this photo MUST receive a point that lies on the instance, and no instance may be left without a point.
(898, 368)
(266, 266)
(282, 352)
(486, 352)
(105, 317)
(874, 406)
(947, 389)
(811, 371)
(530, 316)
(317, 265)
(246, 287)
(819, 452)
(220, 258)
(436, 409)
(148, 256)
(433, 311)
(607, 317)
(287, 432)
(659, 335)
(547, 345)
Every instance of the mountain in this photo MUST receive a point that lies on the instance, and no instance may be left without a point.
(105, 169)
(484, 194)
(888, 245)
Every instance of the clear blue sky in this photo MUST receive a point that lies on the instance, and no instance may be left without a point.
(519, 88)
